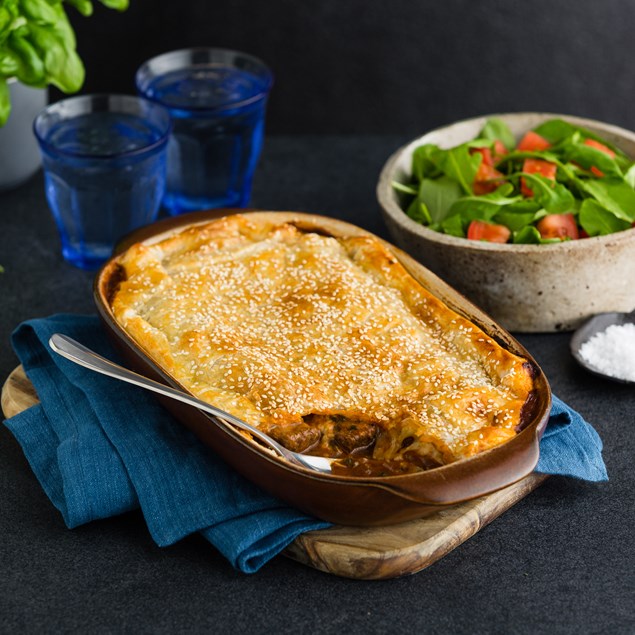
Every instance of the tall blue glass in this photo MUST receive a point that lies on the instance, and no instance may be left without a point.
(104, 159)
(217, 100)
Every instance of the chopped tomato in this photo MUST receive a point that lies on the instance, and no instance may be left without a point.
(487, 179)
(491, 156)
(558, 226)
(537, 166)
(533, 142)
(583, 234)
(481, 230)
(599, 146)
(499, 151)
(486, 153)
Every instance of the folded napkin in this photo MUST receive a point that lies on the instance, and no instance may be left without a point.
(100, 447)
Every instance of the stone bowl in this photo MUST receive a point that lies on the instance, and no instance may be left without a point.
(525, 288)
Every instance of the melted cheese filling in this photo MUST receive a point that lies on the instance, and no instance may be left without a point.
(282, 327)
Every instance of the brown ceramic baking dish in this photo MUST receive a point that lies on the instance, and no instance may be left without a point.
(340, 499)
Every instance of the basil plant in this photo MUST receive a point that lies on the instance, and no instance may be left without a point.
(37, 45)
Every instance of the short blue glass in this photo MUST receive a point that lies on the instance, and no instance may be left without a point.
(217, 100)
(104, 159)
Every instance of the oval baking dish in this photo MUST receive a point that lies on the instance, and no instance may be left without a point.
(342, 499)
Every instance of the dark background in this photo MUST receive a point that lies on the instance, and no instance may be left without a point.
(398, 66)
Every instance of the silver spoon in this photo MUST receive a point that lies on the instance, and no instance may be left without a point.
(593, 326)
(76, 352)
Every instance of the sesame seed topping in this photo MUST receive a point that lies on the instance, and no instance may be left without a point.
(278, 325)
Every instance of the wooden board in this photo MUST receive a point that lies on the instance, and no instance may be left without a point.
(375, 553)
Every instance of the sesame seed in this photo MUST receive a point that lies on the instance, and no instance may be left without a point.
(275, 325)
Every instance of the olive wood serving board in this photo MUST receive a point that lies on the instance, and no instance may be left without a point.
(375, 553)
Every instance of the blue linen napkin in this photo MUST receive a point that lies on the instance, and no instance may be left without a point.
(100, 447)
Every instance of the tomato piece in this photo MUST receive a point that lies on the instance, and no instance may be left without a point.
(499, 151)
(533, 142)
(486, 153)
(490, 232)
(599, 146)
(537, 166)
(592, 143)
(558, 226)
(487, 179)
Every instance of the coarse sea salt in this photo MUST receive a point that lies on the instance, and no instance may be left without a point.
(612, 351)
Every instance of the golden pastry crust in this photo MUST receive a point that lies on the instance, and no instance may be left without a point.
(326, 343)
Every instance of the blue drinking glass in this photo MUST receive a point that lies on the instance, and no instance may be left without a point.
(217, 101)
(104, 159)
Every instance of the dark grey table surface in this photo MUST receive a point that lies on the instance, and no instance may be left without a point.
(560, 561)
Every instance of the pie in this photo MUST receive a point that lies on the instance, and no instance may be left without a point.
(324, 342)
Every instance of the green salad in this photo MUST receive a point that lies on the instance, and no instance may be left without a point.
(560, 182)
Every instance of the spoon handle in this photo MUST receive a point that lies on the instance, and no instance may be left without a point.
(76, 352)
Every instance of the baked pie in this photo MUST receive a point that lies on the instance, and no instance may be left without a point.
(326, 343)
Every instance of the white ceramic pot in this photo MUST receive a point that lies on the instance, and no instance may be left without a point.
(525, 288)
(19, 152)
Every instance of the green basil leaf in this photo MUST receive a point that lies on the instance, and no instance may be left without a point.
(614, 194)
(72, 78)
(517, 215)
(629, 177)
(63, 67)
(5, 102)
(528, 235)
(458, 164)
(553, 196)
(466, 216)
(424, 162)
(39, 11)
(62, 29)
(484, 207)
(479, 143)
(454, 226)
(30, 65)
(9, 64)
(20, 31)
(596, 220)
(438, 195)
(5, 22)
(119, 5)
(524, 206)
(500, 196)
(419, 212)
(588, 157)
(576, 170)
(496, 129)
(405, 188)
(85, 7)
(555, 130)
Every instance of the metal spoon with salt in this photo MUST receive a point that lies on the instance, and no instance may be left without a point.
(597, 325)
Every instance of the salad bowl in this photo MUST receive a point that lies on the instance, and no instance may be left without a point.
(524, 287)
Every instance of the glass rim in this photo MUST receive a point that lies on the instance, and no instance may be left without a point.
(260, 95)
(145, 149)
